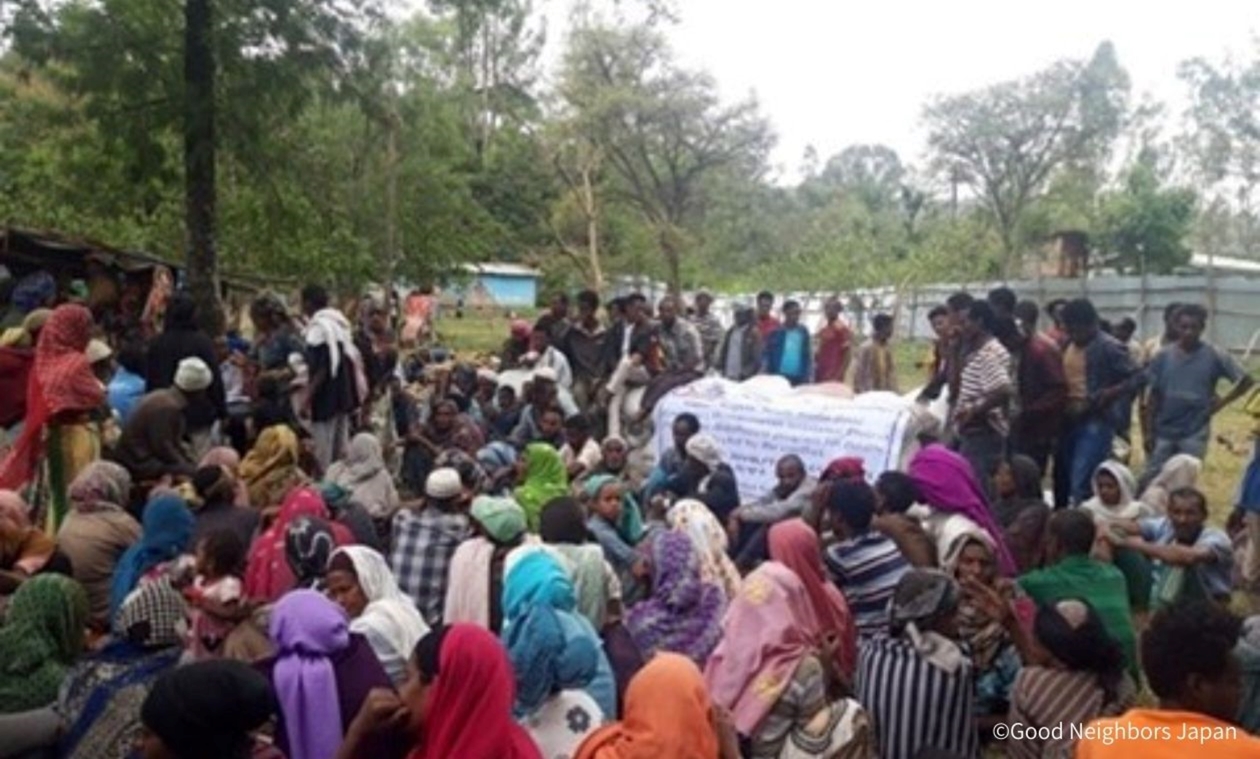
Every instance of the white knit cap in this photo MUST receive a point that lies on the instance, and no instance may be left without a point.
(705, 449)
(98, 350)
(443, 484)
(488, 375)
(546, 373)
(193, 375)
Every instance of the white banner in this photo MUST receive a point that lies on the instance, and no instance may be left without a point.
(757, 423)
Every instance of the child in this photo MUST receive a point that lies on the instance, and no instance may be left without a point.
(509, 414)
(215, 598)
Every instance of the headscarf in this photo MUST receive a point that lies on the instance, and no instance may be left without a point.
(271, 467)
(389, 615)
(166, 530)
(795, 545)
(545, 478)
(667, 714)
(308, 545)
(922, 595)
(684, 612)
(61, 380)
(1127, 508)
(984, 634)
(42, 635)
(268, 575)
(229, 459)
(14, 509)
(769, 628)
(496, 456)
(473, 691)
(1180, 471)
(308, 630)
(630, 525)
(33, 291)
(206, 710)
(153, 616)
(100, 486)
(362, 472)
(549, 653)
(946, 481)
(693, 519)
(844, 468)
(501, 519)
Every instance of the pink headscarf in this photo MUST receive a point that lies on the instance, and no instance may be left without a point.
(946, 481)
(794, 544)
(768, 629)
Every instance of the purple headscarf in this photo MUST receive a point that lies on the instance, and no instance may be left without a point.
(307, 629)
(684, 613)
(945, 480)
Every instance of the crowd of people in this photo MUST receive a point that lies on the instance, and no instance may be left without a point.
(302, 541)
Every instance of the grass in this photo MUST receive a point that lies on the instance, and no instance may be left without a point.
(483, 332)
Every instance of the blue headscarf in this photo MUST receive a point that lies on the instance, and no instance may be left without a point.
(496, 456)
(547, 641)
(167, 528)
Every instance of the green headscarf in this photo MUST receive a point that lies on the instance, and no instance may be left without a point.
(630, 525)
(40, 640)
(545, 479)
(501, 519)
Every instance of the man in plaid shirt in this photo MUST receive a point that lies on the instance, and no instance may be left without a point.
(424, 541)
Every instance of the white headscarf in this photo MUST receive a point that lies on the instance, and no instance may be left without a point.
(362, 472)
(330, 327)
(1128, 508)
(390, 615)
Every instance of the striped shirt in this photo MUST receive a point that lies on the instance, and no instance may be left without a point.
(866, 569)
(1044, 697)
(985, 370)
(913, 703)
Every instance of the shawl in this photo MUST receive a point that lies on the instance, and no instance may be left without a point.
(945, 480)
(389, 615)
(267, 574)
(684, 612)
(307, 630)
(472, 697)
(331, 328)
(166, 530)
(630, 524)
(545, 479)
(1128, 508)
(469, 599)
(100, 486)
(270, 469)
(795, 545)
(984, 635)
(667, 714)
(42, 635)
(696, 521)
(768, 629)
(363, 474)
(229, 459)
(61, 380)
(587, 567)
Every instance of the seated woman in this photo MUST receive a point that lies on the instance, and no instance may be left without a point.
(498, 461)
(697, 522)
(1180, 471)
(543, 478)
(272, 468)
(1021, 510)
(166, 533)
(536, 578)
(206, 710)
(363, 474)
(947, 483)
(498, 527)
(98, 530)
(683, 611)
(41, 638)
(1083, 679)
(230, 460)
(1113, 504)
(322, 674)
(917, 684)
(268, 575)
(216, 488)
(309, 543)
(770, 673)
(667, 714)
(563, 530)
(457, 702)
(360, 581)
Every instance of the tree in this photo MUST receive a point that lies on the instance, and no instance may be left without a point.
(1143, 225)
(661, 129)
(1009, 138)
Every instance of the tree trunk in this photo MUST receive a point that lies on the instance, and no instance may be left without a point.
(672, 260)
(592, 230)
(199, 160)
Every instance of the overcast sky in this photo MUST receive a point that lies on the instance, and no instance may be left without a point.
(831, 73)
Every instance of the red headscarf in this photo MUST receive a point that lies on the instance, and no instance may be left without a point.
(795, 545)
(471, 713)
(268, 575)
(61, 380)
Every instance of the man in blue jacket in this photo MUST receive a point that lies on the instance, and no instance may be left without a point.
(788, 352)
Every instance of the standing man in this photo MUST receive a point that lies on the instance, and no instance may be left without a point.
(766, 323)
(950, 348)
(1099, 371)
(874, 368)
(708, 326)
(787, 351)
(1040, 388)
(584, 346)
(740, 354)
(556, 321)
(680, 341)
(181, 338)
(1182, 398)
(984, 392)
(835, 342)
(335, 368)
(1002, 299)
(633, 347)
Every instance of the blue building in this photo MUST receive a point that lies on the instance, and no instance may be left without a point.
(508, 285)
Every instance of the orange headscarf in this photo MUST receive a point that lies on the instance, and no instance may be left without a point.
(667, 714)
